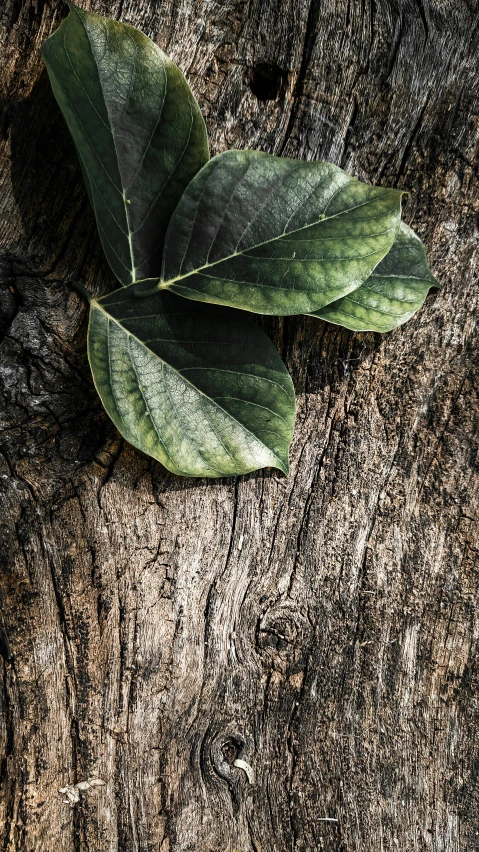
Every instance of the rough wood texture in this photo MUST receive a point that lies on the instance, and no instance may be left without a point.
(324, 625)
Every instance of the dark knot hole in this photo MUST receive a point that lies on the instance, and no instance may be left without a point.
(267, 81)
(231, 749)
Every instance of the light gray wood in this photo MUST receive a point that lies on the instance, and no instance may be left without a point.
(323, 625)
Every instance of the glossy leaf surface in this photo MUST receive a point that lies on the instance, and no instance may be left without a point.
(394, 291)
(276, 236)
(137, 129)
(199, 388)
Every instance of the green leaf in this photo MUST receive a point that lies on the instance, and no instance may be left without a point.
(393, 292)
(201, 389)
(276, 236)
(137, 129)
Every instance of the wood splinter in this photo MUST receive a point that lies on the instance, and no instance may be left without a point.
(241, 764)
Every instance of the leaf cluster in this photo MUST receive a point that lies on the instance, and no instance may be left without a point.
(195, 242)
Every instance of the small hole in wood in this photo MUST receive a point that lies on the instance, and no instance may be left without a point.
(231, 750)
(267, 81)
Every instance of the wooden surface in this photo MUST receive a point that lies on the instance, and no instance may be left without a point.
(323, 626)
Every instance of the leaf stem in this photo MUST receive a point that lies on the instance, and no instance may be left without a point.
(81, 289)
(139, 293)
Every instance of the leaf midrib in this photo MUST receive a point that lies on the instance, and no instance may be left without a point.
(95, 303)
(164, 285)
(123, 189)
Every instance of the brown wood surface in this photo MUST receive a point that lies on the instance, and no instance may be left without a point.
(323, 626)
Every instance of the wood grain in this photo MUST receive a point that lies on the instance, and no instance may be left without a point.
(322, 626)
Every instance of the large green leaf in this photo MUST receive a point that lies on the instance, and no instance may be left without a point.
(275, 236)
(393, 292)
(199, 388)
(138, 131)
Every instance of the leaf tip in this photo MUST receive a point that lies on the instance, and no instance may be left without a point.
(46, 44)
(283, 466)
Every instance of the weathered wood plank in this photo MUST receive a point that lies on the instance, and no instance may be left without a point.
(324, 625)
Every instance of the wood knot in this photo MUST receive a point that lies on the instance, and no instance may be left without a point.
(283, 638)
(232, 758)
(225, 749)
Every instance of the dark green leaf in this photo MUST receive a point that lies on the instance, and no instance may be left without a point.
(276, 236)
(199, 388)
(138, 131)
(393, 292)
